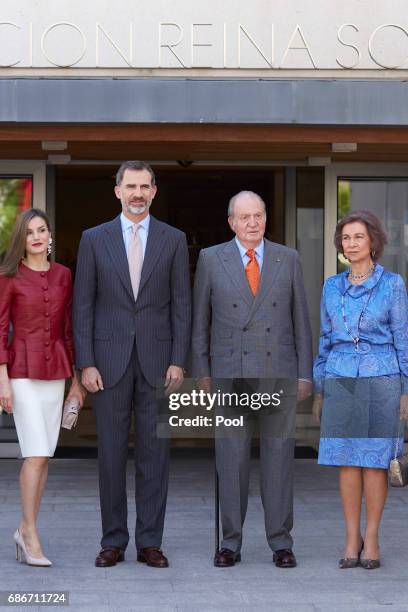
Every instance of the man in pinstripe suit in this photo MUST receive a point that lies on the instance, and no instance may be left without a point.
(132, 329)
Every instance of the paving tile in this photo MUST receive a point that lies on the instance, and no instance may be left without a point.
(267, 607)
(70, 530)
(371, 607)
(148, 608)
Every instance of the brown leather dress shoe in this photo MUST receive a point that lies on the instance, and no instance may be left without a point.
(226, 558)
(284, 558)
(108, 557)
(152, 556)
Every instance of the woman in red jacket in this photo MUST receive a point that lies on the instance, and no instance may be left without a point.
(36, 298)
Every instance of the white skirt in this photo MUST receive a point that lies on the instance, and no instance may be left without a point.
(37, 411)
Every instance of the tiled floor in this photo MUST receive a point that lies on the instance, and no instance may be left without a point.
(70, 531)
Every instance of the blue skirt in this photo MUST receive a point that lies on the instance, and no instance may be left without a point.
(360, 422)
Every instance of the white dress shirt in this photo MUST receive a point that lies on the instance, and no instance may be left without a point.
(127, 225)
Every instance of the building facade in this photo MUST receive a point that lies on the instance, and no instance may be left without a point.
(303, 101)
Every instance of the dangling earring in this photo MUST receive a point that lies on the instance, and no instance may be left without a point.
(49, 249)
(372, 253)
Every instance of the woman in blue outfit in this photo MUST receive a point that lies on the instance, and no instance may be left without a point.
(361, 379)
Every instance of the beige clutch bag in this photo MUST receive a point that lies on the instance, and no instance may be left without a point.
(398, 472)
(70, 414)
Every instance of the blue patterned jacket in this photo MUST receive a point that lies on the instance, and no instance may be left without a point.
(383, 345)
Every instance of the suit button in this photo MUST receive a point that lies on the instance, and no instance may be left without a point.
(42, 274)
(244, 329)
(47, 314)
(46, 299)
(46, 329)
(268, 353)
(47, 344)
(274, 304)
(268, 329)
(235, 305)
(45, 287)
(245, 352)
(47, 357)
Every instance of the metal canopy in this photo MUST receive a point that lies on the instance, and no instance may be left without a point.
(210, 101)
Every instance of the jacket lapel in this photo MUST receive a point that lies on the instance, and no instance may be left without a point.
(116, 248)
(231, 260)
(272, 260)
(154, 246)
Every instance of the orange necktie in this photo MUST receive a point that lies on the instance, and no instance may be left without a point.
(252, 271)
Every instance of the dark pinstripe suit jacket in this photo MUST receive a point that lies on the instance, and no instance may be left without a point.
(108, 321)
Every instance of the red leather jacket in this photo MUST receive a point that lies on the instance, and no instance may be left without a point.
(39, 306)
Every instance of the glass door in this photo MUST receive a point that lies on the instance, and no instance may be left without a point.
(22, 185)
(380, 188)
(387, 198)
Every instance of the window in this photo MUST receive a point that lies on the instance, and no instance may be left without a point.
(387, 198)
(15, 196)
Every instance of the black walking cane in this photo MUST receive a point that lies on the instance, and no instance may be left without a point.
(217, 510)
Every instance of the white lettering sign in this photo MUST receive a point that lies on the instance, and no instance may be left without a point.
(302, 35)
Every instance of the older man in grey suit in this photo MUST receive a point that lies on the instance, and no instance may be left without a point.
(251, 322)
(132, 329)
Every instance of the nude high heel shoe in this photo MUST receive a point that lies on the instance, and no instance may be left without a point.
(22, 555)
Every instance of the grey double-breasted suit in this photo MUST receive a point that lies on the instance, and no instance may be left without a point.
(132, 343)
(239, 336)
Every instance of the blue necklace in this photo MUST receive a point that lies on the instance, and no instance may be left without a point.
(355, 339)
